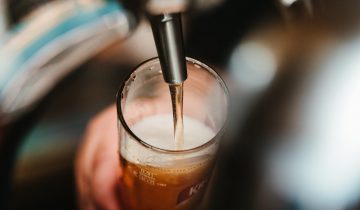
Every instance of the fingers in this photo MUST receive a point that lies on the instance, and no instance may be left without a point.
(97, 163)
(106, 169)
(105, 185)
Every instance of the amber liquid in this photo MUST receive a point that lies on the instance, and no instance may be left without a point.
(163, 188)
(177, 95)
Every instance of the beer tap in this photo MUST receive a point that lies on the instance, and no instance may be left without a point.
(167, 32)
(166, 24)
(165, 19)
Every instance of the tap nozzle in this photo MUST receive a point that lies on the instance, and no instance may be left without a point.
(167, 31)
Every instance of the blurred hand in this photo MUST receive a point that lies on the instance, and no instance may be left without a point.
(97, 167)
(97, 164)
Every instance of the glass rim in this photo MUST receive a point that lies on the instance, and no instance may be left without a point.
(158, 149)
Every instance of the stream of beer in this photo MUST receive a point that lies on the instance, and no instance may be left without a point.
(177, 93)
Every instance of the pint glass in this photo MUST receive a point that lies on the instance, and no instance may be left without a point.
(155, 174)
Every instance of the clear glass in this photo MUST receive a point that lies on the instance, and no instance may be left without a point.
(155, 175)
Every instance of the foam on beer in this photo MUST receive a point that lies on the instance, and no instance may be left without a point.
(158, 131)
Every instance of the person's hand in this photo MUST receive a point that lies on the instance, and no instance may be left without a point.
(97, 164)
(97, 167)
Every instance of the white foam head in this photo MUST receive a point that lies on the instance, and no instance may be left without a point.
(157, 131)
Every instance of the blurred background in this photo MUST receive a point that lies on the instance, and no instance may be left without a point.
(292, 68)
